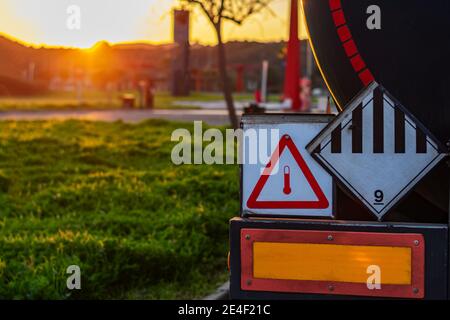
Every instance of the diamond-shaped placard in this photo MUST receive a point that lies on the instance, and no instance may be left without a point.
(377, 149)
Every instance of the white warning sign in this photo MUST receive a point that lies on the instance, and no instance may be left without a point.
(286, 181)
(377, 149)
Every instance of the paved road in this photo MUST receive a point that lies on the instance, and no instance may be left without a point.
(212, 117)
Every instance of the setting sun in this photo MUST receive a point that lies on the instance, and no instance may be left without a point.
(45, 22)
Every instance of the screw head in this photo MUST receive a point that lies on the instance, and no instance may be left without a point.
(415, 290)
(416, 242)
(247, 237)
(249, 282)
(330, 288)
(286, 136)
(330, 238)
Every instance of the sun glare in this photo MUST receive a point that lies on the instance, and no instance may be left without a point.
(47, 23)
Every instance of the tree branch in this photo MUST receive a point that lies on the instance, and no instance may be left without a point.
(236, 11)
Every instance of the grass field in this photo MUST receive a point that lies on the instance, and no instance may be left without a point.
(100, 100)
(106, 197)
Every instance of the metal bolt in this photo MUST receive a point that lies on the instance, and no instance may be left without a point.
(249, 282)
(416, 242)
(330, 238)
(286, 136)
(247, 237)
(415, 290)
(330, 288)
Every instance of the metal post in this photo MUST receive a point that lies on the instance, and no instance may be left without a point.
(309, 61)
(264, 77)
(292, 73)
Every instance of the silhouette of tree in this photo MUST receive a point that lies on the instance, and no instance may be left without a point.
(236, 11)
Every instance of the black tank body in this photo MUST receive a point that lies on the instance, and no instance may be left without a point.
(409, 55)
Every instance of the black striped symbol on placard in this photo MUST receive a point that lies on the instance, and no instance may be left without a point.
(377, 149)
(377, 129)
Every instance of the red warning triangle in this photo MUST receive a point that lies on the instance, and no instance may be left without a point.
(320, 203)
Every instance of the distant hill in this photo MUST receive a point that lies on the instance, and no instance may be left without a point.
(27, 70)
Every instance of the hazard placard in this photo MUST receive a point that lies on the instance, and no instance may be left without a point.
(279, 177)
(377, 149)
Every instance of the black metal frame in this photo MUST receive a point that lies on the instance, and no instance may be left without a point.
(247, 213)
(437, 241)
(436, 253)
(448, 222)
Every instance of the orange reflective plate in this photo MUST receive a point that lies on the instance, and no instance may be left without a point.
(329, 262)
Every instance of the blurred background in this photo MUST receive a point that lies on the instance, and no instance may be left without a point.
(90, 93)
(127, 48)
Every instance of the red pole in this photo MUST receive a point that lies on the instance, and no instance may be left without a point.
(240, 78)
(292, 74)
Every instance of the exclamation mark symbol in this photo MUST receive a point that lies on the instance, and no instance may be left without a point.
(287, 180)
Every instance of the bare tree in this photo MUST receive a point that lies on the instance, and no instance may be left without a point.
(236, 11)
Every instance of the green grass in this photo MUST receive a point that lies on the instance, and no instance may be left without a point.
(100, 100)
(105, 196)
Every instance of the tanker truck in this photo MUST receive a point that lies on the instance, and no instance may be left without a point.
(404, 46)
(354, 204)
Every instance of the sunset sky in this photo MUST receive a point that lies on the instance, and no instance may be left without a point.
(44, 22)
